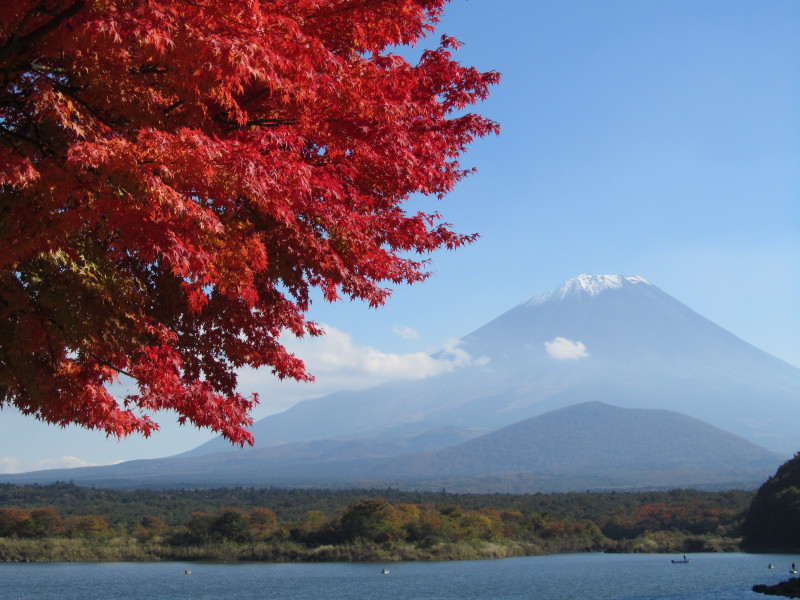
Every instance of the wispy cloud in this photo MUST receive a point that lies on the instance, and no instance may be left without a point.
(339, 363)
(562, 348)
(406, 332)
(17, 465)
(336, 352)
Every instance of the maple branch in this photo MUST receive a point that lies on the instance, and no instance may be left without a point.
(366, 4)
(34, 140)
(110, 366)
(204, 7)
(16, 42)
(70, 91)
(268, 122)
(45, 70)
(266, 90)
(148, 69)
(23, 23)
(197, 4)
(53, 357)
(265, 121)
(173, 106)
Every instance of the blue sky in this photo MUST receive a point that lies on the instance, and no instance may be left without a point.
(654, 138)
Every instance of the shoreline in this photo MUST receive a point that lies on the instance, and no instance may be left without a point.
(127, 549)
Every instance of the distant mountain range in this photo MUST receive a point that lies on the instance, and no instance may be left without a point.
(595, 445)
(587, 446)
(607, 343)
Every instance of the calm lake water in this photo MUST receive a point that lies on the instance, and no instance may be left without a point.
(557, 577)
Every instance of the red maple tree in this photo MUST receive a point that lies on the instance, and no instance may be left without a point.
(176, 176)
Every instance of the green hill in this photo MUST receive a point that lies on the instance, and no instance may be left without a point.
(773, 522)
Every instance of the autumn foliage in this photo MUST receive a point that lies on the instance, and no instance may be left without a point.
(200, 524)
(177, 177)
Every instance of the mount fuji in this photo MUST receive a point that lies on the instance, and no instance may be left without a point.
(608, 339)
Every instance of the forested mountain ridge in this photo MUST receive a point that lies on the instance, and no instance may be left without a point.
(595, 437)
(772, 523)
(592, 446)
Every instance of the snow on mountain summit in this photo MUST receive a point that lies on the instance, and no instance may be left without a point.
(591, 285)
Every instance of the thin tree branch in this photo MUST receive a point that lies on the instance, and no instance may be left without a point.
(327, 13)
(110, 366)
(16, 42)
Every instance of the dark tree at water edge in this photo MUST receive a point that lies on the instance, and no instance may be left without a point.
(772, 523)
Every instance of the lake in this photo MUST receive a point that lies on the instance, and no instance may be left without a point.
(555, 577)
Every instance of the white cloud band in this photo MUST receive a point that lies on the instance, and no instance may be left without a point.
(17, 465)
(562, 348)
(338, 363)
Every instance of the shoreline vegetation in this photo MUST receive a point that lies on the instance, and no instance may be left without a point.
(66, 523)
(128, 549)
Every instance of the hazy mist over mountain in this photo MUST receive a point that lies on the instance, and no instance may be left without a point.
(606, 338)
(650, 394)
(586, 446)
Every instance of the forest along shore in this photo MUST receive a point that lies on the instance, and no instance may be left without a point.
(67, 523)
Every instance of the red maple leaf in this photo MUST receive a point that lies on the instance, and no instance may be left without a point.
(177, 176)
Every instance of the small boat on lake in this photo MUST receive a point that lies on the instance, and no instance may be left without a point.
(384, 571)
(680, 561)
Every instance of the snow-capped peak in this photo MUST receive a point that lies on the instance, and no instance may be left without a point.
(591, 285)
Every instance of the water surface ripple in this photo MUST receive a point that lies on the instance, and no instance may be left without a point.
(556, 577)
